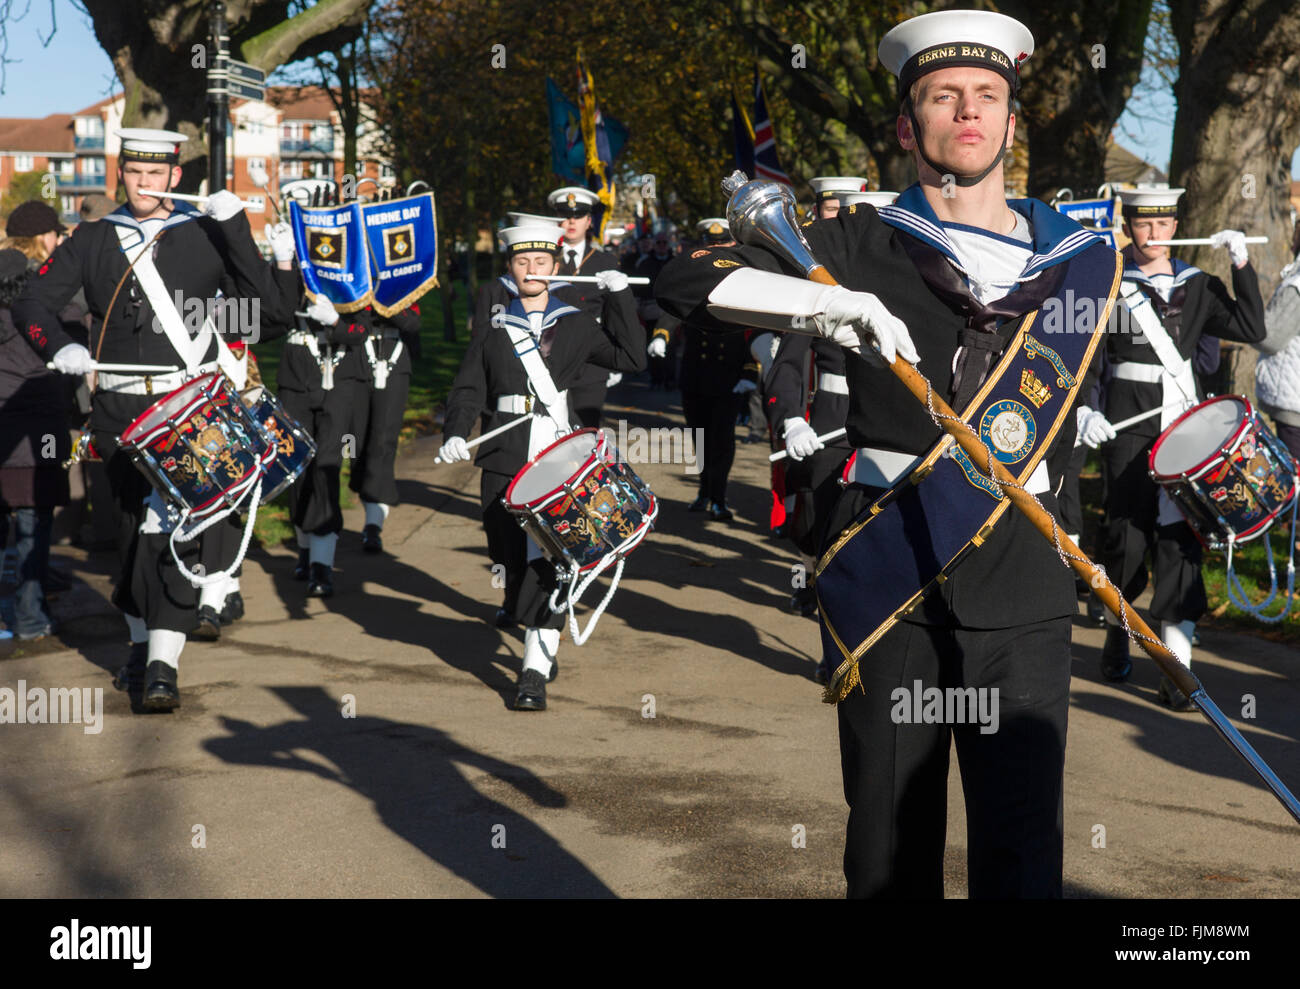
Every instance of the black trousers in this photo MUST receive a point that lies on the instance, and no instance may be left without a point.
(149, 585)
(1132, 500)
(377, 425)
(895, 774)
(528, 583)
(816, 480)
(716, 415)
(327, 416)
(1070, 501)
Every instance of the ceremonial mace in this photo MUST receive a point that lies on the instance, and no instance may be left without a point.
(761, 214)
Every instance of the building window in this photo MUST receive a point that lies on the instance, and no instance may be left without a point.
(92, 167)
(68, 205)
(386, 171)
(64, 168)
(254, 128)
(290, 169)
(256, 204)
(292, 132)
(256, 165)
(322, 169)
(24, 163)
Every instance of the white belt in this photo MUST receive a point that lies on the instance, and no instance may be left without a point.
(882, 469)
(835, 384)
(1129, 371)
(148, 384)
(519, 404)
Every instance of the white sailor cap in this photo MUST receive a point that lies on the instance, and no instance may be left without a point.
(532, 220)
(833, 186)
(948, 38)
(714, 229)
(148, 144)
(573, 200)
(1150, 199)
(531, 237)
(878, 198)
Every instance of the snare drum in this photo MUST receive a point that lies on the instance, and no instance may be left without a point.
(200, 446)
(579, 503)
(294, 447)
(1225, 470)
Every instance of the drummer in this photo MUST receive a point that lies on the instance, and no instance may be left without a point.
(195, 254)
(537, 346)
(1170, 306)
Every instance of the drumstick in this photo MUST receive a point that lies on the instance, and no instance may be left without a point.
(1202, 241)
(1133, 420)
(128, 368)
(638, 280)
(487, 436)
(833, 434)
(181, 195)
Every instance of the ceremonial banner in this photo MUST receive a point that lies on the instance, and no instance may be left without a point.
(1096, 215)
(403, 242)
(742, 138)
(333, 254)
(766, 164)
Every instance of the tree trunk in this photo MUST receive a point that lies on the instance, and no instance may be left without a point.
(1237, 127)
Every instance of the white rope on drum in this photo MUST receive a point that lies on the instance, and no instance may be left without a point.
(208, 580)
(1237, 594)
(577, 588)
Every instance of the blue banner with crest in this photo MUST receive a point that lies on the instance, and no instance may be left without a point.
(333, 254)
(403, 239)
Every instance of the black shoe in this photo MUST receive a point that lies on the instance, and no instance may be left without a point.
(1173, 698)
(719, 512)
(1115, 662)
(532, 692)
(209, 626)
(303, 570)
(370, 539)
(504, 619)
(161, 694)
(555, 671)
(804, 602)
(320, 585)
(698, 505)
(233, 609)
(1096, 611)
(131, 676)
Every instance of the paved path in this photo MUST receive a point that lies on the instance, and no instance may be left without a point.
(415, 795)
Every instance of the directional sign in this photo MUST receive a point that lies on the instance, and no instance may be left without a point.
(243, 72)
(245, 91)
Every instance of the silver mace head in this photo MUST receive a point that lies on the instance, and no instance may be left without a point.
(761, 214)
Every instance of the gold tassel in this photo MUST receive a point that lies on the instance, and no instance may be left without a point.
(839, 689)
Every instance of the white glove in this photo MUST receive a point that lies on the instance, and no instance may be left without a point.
(845, 317)
(614, 378)
(73, 358)
(801, 439)
(322, 311)
(1094, 428)
(658, 347)
(1235, 242)
(222, 205)
(743, 387)
(453, 448)
(281, 236)
(612, 280)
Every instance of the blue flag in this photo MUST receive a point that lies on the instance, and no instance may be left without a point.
(404, 248)
(742, 139)
(333, 254)
(1097, 215)
(568, 156)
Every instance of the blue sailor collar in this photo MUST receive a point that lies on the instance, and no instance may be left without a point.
(1182, 272)
(1056, 238)
(554, 312)
(182, 212)
(509, 282)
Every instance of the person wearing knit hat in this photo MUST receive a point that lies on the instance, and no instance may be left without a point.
(498, 374)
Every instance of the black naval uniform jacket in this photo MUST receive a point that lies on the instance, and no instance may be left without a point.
(1015, 578)
(786, 386)
(589, 298)
(195, 258)
(491, 369)
(1198, 306)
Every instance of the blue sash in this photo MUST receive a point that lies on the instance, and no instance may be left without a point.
(910, 539)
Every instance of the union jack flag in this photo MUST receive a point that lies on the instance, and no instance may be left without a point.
(766, 164)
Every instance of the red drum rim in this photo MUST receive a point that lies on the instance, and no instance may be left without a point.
(199, 384)
(582, 471)
(1223, 450)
